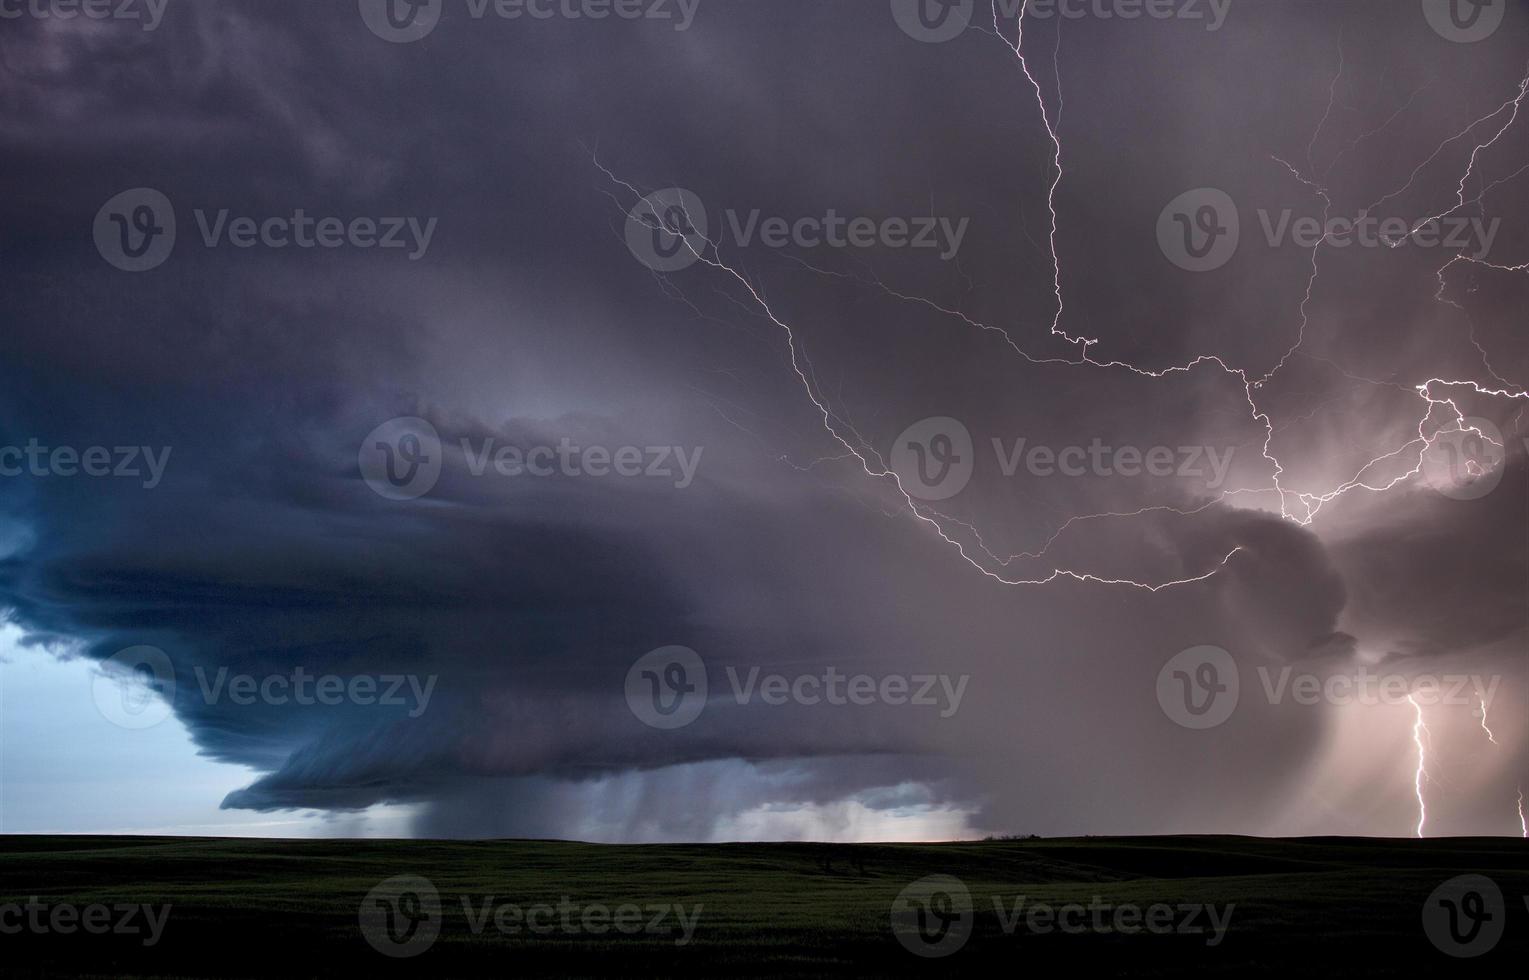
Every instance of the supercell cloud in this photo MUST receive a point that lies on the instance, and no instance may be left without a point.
(933, 455)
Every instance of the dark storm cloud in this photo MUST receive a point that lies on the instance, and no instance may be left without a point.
(528, 321)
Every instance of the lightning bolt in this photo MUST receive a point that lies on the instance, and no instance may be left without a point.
(1484, 727)
(1418, 731)
(1440, 414)
(1511, 107)
(871, 462)
(1301, 507)
(1523, 826)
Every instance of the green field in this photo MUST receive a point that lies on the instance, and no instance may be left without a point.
(1312, 907)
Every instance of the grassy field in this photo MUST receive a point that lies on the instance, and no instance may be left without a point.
(1313, 907)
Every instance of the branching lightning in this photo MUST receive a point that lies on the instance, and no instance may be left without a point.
(1440, 416)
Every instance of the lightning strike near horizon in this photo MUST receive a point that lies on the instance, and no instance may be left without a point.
(1419, 730)
(1484, 727)
(1440, 413)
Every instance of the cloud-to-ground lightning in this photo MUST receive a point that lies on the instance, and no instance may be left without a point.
(1419, 730)
(1440, 414)
(1484, 726)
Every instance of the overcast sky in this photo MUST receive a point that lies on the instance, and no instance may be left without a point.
(340, 348)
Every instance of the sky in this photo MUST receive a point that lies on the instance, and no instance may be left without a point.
(733, 420)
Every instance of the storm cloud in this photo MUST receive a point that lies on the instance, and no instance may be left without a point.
(785, 376)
